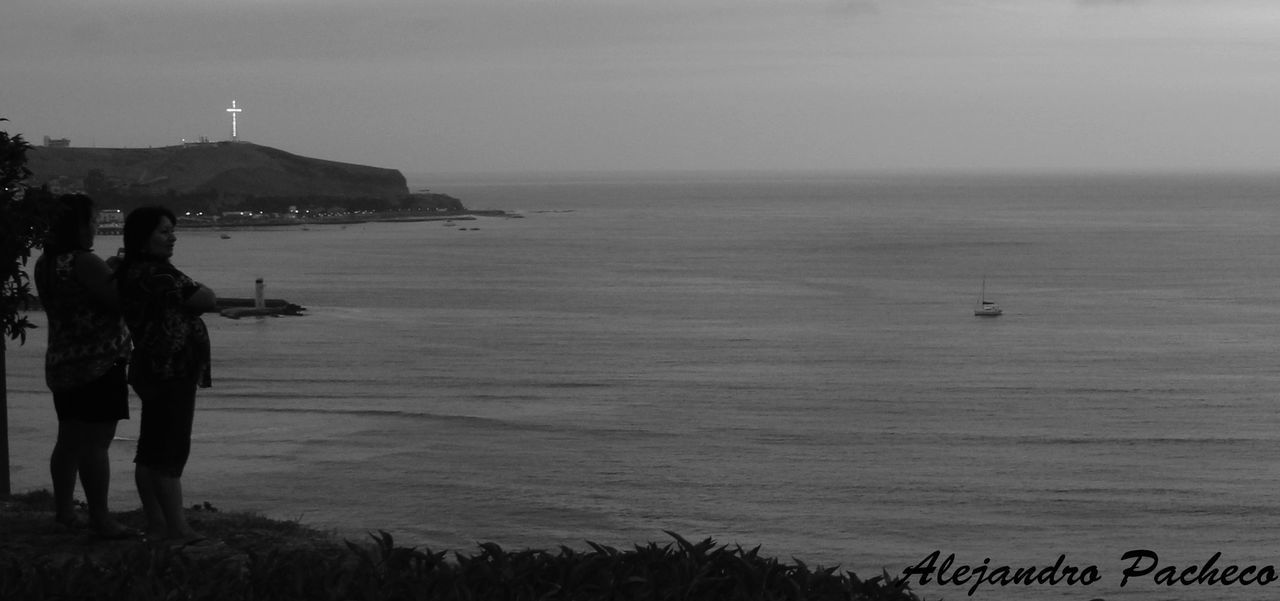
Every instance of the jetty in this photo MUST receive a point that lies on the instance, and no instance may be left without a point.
(235, 308)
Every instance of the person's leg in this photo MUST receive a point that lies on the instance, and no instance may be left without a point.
(87, 418)
(169, 492)
(164, 444)
(143, 478)
(150, 441)
(63, 463)
(95, 476)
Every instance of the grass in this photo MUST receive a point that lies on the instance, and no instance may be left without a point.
(261, 559)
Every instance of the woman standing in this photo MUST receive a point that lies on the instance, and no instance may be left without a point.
(170, 360)
(84, 364)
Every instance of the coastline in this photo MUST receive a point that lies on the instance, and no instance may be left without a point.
(235, 223)
(346, 219)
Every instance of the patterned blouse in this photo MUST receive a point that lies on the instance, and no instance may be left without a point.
(169, 341)
(86, 338)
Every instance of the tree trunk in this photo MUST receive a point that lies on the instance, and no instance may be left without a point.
(5, 487)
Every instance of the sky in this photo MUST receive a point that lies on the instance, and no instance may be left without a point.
(495, 86)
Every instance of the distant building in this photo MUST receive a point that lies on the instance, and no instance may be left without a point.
(57, 142)
(110, 222)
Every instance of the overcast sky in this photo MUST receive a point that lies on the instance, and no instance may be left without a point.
(573, 85)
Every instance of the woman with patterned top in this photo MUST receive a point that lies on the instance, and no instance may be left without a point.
(84, 363)
(170, 360)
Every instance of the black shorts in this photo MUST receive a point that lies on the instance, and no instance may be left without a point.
(103, 400)
(164, 434)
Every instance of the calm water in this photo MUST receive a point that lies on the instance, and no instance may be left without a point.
(777, 361)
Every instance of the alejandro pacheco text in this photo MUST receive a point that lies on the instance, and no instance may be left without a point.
(1139, 565)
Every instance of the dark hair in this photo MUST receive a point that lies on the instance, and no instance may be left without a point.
(73, 213)
(139, 226)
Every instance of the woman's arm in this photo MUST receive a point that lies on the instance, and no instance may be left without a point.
(97, 278)
(203, 300)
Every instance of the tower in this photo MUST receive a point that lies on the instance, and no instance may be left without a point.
(233, 110)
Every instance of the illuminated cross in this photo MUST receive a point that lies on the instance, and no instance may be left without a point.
(233, 110)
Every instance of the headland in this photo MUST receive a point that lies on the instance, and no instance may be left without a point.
(239, 181)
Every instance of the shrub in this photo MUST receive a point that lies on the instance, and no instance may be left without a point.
(382, 571)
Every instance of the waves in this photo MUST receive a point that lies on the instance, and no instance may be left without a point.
(765, 368)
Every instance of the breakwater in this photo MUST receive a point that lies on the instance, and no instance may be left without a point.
(235, 308)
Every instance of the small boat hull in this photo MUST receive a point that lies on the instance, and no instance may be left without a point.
(988, 309)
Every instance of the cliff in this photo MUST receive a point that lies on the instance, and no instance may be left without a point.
(227, 171)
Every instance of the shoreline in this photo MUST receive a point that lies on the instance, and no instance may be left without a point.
(238, 223)
(390, 217)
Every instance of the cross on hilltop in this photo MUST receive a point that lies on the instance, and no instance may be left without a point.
(233, 110)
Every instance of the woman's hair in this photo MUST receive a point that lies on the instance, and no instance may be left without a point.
(73, 213)
(139, 226)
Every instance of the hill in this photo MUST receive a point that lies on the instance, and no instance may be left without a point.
(231, 169)
(222, 176)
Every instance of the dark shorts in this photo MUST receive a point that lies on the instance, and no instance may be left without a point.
(164, 434)
(103, 400)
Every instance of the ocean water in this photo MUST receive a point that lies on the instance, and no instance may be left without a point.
(781, 361)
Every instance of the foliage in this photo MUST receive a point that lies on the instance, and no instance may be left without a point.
(679, 571)
(23, 221)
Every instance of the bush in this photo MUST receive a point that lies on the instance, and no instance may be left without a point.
(24, 214)
(678, 571)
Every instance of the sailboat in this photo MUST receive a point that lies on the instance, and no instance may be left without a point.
(985, 307)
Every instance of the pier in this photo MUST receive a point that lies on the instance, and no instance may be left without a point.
(235, 308)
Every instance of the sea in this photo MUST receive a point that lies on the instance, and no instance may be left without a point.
(788, 362)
